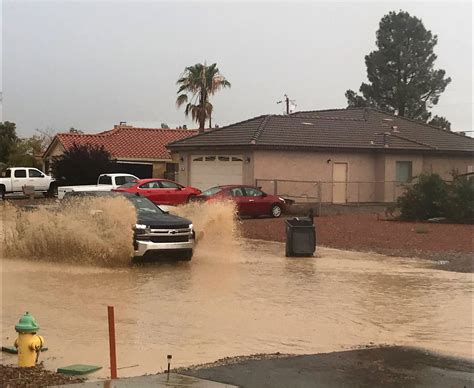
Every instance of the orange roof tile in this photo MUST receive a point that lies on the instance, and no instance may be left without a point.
(130, 142)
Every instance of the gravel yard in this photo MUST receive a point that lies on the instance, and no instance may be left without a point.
(14, 377)
(450, 246)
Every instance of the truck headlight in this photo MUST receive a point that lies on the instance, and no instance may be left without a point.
(191, 226)
(141, 228)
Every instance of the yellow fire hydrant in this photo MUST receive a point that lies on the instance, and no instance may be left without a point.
(28, 343)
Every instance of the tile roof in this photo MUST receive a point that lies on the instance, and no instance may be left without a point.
(354, 128)
(129, 142)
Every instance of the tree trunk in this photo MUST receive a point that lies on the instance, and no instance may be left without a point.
(401, 110)
(202, 113)
(202, 123)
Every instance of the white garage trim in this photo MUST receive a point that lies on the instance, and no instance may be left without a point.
(215, 170)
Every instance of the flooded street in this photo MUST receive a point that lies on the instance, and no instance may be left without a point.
(240, 298)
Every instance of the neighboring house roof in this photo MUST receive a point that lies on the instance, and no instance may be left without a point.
(353, 128)
(127, 142)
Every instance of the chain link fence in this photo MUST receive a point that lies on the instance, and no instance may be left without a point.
(334, 192)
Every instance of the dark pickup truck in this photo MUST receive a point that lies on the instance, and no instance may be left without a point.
(156, 231)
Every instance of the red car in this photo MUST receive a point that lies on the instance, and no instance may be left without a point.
(250, 201)
(161, 191)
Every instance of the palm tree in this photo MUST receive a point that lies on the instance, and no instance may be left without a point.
(200, 82)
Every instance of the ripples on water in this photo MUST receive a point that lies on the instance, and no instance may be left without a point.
(236, 297)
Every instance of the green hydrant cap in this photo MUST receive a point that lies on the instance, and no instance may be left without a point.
(27, 324)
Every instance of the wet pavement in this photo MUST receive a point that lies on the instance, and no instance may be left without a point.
(239, 298)
(157, 381)
(386, 367)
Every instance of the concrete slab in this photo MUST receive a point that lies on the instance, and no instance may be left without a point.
(155, 381)
(79, 369)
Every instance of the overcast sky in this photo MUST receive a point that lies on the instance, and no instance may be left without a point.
(92, 64)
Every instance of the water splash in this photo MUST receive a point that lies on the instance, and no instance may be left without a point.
(98, 232)
(83, 231)
(215, 224)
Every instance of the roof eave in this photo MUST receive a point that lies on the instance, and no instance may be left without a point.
(310, 147)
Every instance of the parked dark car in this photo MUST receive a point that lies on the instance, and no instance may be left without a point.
(156, 231)
(250, 201)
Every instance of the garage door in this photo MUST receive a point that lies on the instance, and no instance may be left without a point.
(215, 170)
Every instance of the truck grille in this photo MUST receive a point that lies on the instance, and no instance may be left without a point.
(163, 235)
(165, 239)
(168, 227)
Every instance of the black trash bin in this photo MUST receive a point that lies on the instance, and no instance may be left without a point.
(300, 237)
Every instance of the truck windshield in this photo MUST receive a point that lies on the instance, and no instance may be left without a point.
(144, 205)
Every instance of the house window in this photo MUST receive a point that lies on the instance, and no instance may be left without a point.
(404, 172)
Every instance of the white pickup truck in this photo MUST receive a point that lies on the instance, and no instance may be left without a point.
(105, 182)
(16, 178)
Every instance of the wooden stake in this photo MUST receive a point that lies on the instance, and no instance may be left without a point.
(113, 355)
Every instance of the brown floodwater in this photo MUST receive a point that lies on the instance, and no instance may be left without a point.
(235, 297)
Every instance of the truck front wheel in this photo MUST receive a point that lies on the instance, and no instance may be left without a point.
(2, 192)
(187, 255)
(52, 191)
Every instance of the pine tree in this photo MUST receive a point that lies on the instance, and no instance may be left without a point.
(401, 74)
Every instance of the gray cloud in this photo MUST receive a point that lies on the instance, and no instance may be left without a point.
(93, 64)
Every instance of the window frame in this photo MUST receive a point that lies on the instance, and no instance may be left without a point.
(105, 177)
(242, 190)
(40, 174)
(252, 188)
(398, 165)
(144, 186)
(20, 170)
(161, 183)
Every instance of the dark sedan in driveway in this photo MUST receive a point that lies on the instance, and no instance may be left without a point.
(250, 201)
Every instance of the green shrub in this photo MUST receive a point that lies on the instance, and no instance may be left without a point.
(425, 199)
(431, 197)
(460, 202)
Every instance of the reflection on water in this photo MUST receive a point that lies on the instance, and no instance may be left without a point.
(247, 298)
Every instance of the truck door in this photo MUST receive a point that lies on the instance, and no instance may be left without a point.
(19, 179)
(37, 179)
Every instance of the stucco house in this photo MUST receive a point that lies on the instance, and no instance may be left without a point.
(337, 155)
(138, 151)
